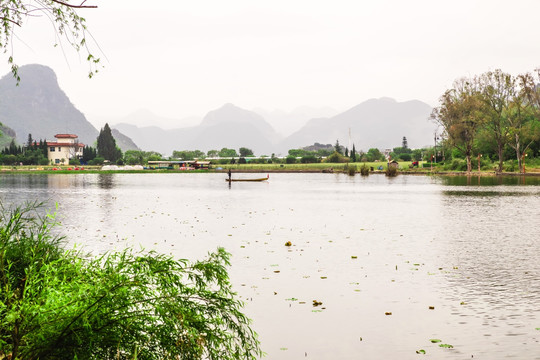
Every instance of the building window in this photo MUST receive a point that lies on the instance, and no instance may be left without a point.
(59, 148)
(52, 148)
(57, 161)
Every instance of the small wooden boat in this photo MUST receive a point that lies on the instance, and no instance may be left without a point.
(256, 179)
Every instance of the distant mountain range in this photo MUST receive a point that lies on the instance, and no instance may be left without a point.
(228, 126)
(376, 123)
(38, 106)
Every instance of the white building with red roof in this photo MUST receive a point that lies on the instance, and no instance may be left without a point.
(66, 147)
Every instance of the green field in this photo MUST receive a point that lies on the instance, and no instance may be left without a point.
(404, 166)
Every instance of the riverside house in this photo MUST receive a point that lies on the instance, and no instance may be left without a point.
(65, 147)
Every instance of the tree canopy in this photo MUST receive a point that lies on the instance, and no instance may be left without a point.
(227, 153)
(491, 113)
(106, 145)
(459, 113)
(68, 25)
(245, 152)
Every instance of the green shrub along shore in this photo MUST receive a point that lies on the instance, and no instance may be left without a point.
(58, 303)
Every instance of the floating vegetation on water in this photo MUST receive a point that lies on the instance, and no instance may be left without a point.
(354, 257)
(435, 340)
(421, 351)
(388, 313)
(291, 299)
(288, 243)
(447, 346)
(316, 303)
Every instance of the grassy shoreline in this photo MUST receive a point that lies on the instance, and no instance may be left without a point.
(274, 168)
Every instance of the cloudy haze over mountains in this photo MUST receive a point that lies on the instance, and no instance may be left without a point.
(39, 107)
(192, 57)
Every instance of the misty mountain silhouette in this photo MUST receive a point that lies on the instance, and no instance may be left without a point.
(39, 107)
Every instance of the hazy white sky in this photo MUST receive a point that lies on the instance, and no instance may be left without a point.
(185, 58)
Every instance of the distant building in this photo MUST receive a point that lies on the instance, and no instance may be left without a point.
(65, 147)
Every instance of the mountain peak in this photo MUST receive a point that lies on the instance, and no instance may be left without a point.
(38, 106)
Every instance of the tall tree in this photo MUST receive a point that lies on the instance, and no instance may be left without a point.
(106, 145)
(524, 126)
(188, 154)
(227, 153)
(67, 25)
(244, 152)
(338, 147)
(212, 153)
(353, 154)
(30, 141)
(460, 115)
(498, 90)
(404, 143)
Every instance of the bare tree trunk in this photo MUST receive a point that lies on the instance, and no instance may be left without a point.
(500, 154)
(518, 154)
(469, 164)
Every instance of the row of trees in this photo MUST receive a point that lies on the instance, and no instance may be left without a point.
(491, 112)
(35, 153)
(223, 153)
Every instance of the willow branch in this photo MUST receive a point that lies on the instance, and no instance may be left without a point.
(81, 6)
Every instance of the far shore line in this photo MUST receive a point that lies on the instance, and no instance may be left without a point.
(426, 172)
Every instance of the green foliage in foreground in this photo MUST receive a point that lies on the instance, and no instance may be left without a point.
(57, 304)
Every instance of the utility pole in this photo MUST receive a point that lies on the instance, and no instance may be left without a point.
(435, 147)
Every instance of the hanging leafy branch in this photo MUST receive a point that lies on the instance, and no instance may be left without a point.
(68, 25)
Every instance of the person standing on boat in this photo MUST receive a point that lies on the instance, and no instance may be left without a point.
(229, 175)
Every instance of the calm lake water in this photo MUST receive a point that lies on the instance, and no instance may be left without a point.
(364, 247)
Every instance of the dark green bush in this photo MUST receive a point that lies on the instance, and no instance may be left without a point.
(96, 161)
(309, 159)
(405, 157)
(364, 170)
(391, 171)
(336, 158)
(290, 159)
(74, 161)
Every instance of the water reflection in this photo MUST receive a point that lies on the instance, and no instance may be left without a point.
(490, 180)
(363, 246)
(106, 181)
(492, 239)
